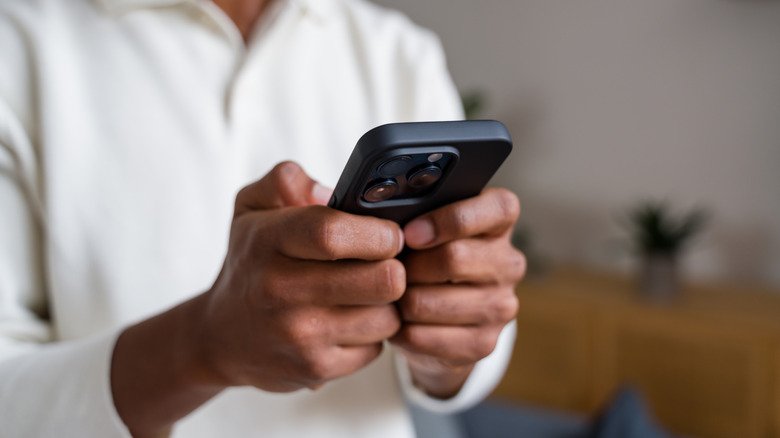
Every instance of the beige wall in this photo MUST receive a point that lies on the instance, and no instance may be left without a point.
(612, 101)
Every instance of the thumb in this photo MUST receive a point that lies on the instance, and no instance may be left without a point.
(286, 185)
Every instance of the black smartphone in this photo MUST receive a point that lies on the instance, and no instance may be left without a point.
(399, 171)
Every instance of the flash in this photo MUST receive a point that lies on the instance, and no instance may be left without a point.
(432, 158)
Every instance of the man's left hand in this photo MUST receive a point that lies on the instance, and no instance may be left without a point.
(461, 274)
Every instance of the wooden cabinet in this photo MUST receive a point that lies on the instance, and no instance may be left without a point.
(708, 363)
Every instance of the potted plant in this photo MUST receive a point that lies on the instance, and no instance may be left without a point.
(659, 237)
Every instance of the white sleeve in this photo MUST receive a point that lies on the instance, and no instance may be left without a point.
(436, 98)
(47, 388)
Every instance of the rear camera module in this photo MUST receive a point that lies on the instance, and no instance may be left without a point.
(424, 176)
(381, 190)
(396, 166)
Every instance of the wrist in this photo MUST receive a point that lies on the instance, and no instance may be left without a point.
(159, 372)
(201, 357)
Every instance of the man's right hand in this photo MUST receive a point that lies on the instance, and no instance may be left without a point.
(305, 294)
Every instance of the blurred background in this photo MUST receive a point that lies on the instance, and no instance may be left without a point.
(611, 104)
(612, 101)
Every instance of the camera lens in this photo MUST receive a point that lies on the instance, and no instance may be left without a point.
(381, 190)
(424, 176)
(396, 166)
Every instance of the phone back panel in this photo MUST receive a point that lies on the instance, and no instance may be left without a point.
(478, 147)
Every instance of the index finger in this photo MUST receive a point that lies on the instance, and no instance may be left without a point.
(322, 233)
(492, 213)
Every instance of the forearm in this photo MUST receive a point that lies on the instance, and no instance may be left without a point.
(158, 374)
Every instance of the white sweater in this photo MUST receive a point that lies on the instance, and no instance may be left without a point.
(126, 129)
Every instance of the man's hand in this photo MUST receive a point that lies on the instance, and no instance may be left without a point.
(306, 292)
(461, 275)
(305, 295)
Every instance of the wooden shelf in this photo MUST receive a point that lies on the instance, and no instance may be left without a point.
(708, 362)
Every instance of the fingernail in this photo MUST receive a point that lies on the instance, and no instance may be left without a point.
(419, 232)
(321, 194)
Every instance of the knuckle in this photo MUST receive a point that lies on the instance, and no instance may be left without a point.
(391, 280)
(284, 183)
(318, 366)
(452, 221)
(505, 306)
(413, 337)
(389, 322)
(270, 285)
(483, 343)
(459, 223)
(387, 239)
(508, 204)
(517, 265)
(302, 332)
(283, 173)
(324, 236)
(413, 305)
(280, 181)
(455, 258)
(452, 254)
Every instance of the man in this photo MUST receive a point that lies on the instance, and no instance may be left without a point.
(126, 129)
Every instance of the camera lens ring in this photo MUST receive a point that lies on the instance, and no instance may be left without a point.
(380, 190)
(424, 176)
(395, 167)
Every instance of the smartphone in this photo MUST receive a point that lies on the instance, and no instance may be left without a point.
(399, 171)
